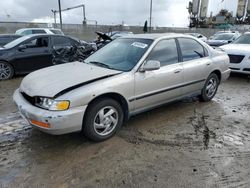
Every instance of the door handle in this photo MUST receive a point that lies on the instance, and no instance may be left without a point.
(177, 71)
(208, 64)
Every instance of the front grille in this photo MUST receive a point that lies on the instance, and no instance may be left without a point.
(30, 99)
(236, 58)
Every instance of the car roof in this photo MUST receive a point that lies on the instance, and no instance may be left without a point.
(155, 36)
(46, 34)
(37, 28)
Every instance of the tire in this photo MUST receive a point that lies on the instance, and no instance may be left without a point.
(96, 126)
(210, 88)
(6, 71)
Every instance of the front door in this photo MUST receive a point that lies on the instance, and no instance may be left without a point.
(159, 86)
(34, 55)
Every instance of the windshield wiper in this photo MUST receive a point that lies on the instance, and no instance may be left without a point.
(100, 64)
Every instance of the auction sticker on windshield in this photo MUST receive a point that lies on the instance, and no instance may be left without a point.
(139, 45)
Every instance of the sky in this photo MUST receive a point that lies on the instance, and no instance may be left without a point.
(171, 13)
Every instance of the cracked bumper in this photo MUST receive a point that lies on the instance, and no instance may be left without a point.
(61, 122)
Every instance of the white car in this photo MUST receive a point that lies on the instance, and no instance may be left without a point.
(199, 36)
(239, 54)
(28, 31)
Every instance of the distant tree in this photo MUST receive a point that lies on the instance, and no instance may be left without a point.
(145, 28)
(226, 13)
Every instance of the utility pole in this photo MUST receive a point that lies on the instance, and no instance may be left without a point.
(84, 15)
(70, 8)
(150, 17)
(60, 13)
(54, 12)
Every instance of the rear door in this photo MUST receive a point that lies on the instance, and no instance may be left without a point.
(156, 87)
(36, 55)
(196, 64)
(60, 42)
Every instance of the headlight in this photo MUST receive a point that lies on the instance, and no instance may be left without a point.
(51, 104)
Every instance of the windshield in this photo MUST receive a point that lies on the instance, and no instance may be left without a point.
(16, 42)
(121, 54)
(223, 37)
(244, 39)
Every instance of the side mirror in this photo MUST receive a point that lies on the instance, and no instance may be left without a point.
(150, 66)
(22, 47)
(200, 36)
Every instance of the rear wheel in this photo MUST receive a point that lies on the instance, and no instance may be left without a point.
(102, 119)
(210, 88)
(6, 71)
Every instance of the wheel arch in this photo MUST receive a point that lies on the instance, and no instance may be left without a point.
(115, 96)
(218, 73)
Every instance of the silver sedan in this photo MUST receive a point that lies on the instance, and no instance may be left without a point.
(128, 76)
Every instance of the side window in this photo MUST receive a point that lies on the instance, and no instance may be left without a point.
(41, 42)
(61, 41)
(191, 49)
(37, 31)
(73, 42)
(165, 52)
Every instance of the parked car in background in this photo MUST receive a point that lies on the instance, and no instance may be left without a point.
(199, 36)
(239, 54)
(105, 38)
(222, 39)
(127, 76)
(31, 52)
(28, 31)
(222, 32)
(6, 38)
(116, 34)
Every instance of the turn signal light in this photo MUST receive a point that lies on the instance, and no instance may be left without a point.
(40, 124)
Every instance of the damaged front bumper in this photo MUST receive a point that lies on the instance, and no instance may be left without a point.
(52, 122)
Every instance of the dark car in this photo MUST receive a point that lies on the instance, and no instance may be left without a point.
(105, 38)
(6, 38)
(222, 39)
(31, 52)
(116, 34)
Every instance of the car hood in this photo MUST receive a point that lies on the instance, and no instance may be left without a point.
(217, 42)
(237, 48)
(51, 81)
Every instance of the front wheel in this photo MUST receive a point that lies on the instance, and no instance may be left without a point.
(102, 119)
(210, 88)
(6, 71)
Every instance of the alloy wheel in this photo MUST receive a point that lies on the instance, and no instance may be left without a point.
(106, 120)
(5, 71)
(211, 87)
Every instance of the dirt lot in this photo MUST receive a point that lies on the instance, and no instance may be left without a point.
(185, 144)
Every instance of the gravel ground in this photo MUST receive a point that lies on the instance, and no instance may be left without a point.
(184, 144)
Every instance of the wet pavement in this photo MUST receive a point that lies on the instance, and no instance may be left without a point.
(184, 144)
